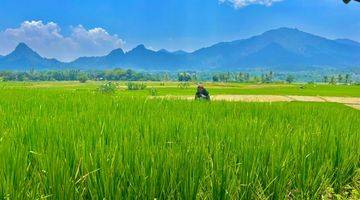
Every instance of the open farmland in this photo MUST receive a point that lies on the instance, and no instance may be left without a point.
(68, 141)
(175, 88)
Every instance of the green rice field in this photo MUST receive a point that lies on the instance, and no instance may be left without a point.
(68, 141)
(173, 88)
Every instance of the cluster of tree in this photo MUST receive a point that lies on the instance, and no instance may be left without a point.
(187, 76)
(78, 75)
(338, 79)
(268, 77)
(130, 75)
(242, 77)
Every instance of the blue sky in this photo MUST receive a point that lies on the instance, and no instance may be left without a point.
(66, 29)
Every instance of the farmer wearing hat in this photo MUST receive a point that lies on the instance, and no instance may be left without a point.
(202, 93)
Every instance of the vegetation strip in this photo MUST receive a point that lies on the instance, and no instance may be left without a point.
(350, 101)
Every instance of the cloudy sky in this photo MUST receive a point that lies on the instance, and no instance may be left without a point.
(67, 29)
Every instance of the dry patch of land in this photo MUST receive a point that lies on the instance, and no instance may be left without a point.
(355, 106)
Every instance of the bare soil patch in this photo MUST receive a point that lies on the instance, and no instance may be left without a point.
(345, 100)
(355, 106)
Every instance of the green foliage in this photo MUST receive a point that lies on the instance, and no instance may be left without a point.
(108, 88)
(326, 79)
(348, 78)
(135, 86)
(242, 77)
(290, 79)
(333, 80)
(216, 78)
(223, 77)
(153, 92)
(268, 77)
(184, 77)
(130, 75)
(66, 144)
(77, 75)
(184, 85)
(83, 78)
(341, 79)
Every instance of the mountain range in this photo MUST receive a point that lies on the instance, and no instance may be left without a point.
(282, 49)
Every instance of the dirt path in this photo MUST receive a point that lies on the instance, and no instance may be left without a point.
(353, 102)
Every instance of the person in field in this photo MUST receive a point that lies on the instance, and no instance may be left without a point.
(202, 93)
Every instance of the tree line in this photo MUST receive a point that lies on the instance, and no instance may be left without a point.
(78, 75)
(239, 77)
(131, 75)
(338, 79)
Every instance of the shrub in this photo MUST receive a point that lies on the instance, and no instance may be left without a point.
(83, 78)
(153, 92)
(290, 79)
(136, 86)
(184, 85)
(108, 88)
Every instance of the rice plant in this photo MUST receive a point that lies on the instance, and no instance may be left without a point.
(81, 144)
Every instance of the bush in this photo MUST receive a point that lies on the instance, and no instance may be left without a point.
(153, 92)
(108, 88)
(83, 78)
(290, 79)
(184, 85)
(136, 86)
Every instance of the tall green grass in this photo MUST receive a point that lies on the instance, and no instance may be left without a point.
(68, 144)
(176, 88)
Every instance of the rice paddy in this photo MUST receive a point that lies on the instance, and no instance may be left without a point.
(73, 142)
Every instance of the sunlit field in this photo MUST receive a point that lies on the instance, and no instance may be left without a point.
(66, 140)
(176, 88)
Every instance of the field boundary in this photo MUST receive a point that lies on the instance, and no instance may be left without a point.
(353, 102)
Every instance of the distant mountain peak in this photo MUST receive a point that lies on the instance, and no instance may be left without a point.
(180, 52)
(23, 57)
(163, 51)
(281, 48)
(118, 51)
(283, 31)
(22, 50)
(140, 49)
(140, 46)
(23, 47)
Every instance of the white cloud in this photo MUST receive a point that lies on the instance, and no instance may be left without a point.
(243, 3)
(47, 40)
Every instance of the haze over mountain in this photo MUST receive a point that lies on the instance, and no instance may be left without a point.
(25, 58)
(282, 49)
